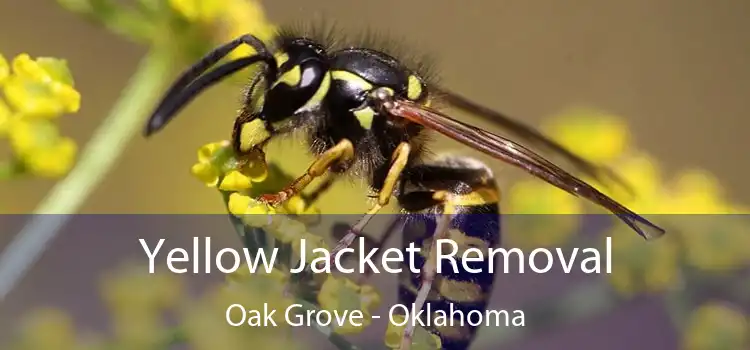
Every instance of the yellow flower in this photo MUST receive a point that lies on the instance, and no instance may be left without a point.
(697, 192)
(422, 339)
(205, 320)
(287, 230)
(541, 215)
(714, 326)
(248, 287)
(243, 275)
(6, 115)
(132, 287)
(48, 329)
(640, 266)
(216, 161)
(198, 10)
(714, 243)
(38, 144)
(341, 294)
(4, 69)
(641, 171)
(595, 135)
(241, 17)
(136, 300)
(250, 211)
(41, 88)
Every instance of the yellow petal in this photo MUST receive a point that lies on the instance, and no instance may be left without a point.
(537, 197)
(234, 181)
(421, 339)
(27, 135)
(595, 135)
(5, 117)
(54, 161)
(697, 192)
(4, 69)
(717, 326)
(206, 173)
(40, 99)
(238, 204)
(295, 205)
(289, 230)
(207, 151)
(198, 10)
(240, 17)
(24, 66)
(57, 327)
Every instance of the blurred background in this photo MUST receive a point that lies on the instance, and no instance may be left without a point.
(674, 71)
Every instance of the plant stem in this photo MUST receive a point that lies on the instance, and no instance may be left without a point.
(102, 151)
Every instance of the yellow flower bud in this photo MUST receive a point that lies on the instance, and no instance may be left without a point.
(39, 146)
(295, 205)
(717, 326)
(643, 267)
(422, 339)
(234, 181)
(57, 327)
(238, 204)
(198, 10)
(597, 136)
(5, 117)
(52, 161)
(207, 151)
(205, 173)
(4, 69)
(289, 230)
(554, 218)
(341, 294)
(42, 88)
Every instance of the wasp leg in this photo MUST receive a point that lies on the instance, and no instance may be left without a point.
(398, 163)
(454, 199)
(314, 195)
(429, 270)
(340, 153)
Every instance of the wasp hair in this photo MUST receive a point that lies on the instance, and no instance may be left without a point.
(332, 37)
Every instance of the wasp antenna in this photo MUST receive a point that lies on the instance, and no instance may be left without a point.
(168, 110)
(182, 90)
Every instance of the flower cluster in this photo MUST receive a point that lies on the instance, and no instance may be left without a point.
(243, 179)
(140, 305)
(716, 325)
(189, 27)
(36, 93)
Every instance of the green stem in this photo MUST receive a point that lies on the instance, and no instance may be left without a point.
(97, 159)
(10, 169)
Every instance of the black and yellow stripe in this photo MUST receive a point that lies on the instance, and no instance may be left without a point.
(475, 224)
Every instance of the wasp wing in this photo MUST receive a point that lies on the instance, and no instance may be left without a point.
(531, 135)
(520, 156)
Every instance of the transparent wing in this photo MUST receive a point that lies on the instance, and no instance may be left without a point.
(532, 136)
(513, 153)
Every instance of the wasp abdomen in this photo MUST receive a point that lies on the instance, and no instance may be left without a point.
(460, 288)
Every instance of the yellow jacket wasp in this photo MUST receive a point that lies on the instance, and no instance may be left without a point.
(366, 113)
